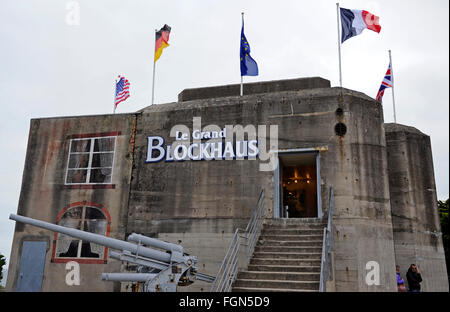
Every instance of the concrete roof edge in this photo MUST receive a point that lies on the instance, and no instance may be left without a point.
(202, 102)
(86, 116)
(354, 93)
(251, 88)
(395, 127)
(326, 92)
(259, 82)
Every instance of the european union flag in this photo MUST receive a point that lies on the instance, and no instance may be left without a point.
(248, 65)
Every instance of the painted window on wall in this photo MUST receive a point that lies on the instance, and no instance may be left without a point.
(90, 160)
(85, 217)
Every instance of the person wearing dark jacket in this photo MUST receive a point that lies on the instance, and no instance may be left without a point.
(414, 278)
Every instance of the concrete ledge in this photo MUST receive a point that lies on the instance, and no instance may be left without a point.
(394, 127)
(253, 88)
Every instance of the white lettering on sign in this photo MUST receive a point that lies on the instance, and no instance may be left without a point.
(253, 148)
(198, 135)
(180, 149)
(216, 143)
(160, 152)
(228, 152)
(181, 136)
(156, 151)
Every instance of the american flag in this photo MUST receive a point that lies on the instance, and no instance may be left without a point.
(386, 83)
(122, 90)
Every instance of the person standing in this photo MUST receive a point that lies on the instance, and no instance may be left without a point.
(400, 282)
(414, 278)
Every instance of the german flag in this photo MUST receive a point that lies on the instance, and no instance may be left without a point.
(161, 40)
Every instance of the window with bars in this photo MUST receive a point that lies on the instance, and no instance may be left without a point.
(91, 160)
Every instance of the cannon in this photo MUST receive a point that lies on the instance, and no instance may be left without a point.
(157, 270)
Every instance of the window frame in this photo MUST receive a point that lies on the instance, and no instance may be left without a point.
(91, 152)
(84, 205)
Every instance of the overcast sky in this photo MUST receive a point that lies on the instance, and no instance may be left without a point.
(50, 67)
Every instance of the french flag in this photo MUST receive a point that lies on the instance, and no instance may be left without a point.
(353, 22)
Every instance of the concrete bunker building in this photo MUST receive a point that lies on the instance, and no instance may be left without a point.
(105, 174)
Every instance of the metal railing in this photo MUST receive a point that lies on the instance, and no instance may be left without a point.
(326, 267)
(228, 270)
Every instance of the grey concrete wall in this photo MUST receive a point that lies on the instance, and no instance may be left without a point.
(363, 222)
(355, 165)
(197, 202)
(417, 231)
(44, 193)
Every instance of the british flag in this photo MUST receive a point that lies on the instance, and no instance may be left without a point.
(386, 83)
(122, 90)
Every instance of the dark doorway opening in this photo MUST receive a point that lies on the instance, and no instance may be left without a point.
(299, 186)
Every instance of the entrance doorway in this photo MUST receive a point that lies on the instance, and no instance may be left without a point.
(299, 185)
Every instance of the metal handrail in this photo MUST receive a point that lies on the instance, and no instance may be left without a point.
(229, 268)
(327, 247)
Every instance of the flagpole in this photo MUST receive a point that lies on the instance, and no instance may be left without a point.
(242, 78)
(115, 91)
(154, 64)
(339, 45)
(392, 81)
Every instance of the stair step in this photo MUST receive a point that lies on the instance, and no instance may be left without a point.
(288, 255)
(304, 226)
(285, 262)
(283, 268)
(279, 276)
(278, 237)
(250, 289)
(297, 243)
(276, 284)
(289, 221)
(281, 231)
(283, 249)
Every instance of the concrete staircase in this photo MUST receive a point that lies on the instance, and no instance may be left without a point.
(287, 257)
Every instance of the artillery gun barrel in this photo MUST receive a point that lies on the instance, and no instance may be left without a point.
(128, 277)
(138, 260)
(154, 242)
(96, 238)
